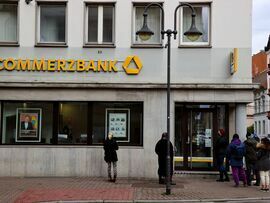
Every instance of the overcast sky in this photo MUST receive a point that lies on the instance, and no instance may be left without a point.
(261, 24)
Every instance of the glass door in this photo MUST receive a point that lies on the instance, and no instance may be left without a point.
(199, 143)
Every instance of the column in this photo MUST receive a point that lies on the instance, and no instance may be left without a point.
(240, 121)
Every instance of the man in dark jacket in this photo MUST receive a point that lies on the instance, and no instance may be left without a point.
(251, 158)
(220, 147)
(110, 146)
(161, 151)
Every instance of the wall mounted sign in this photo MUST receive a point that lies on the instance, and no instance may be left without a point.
(131, 65)
(234, 61)
(28, 125)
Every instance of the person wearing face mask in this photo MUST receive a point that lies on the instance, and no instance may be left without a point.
(110, 146)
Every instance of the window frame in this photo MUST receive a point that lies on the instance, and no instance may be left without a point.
(12, 43)
(180, 29)
(50, 44)
(99, 43)
(133, 33)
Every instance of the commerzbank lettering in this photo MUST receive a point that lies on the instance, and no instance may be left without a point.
(59, 65)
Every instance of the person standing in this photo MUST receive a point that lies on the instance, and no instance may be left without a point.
(263, 162)
(220, 151)
(250, 158)
(235, 153)
(110, 146)
(161, 151)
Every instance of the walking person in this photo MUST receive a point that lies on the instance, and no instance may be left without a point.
(235, 153)
(110, 146)
(220, 147)
(161, 151)
(250, 158)
(263, 162)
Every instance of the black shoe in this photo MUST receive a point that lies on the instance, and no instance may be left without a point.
(161, 181)
(256, 184)
(227, 180)
(220, 180)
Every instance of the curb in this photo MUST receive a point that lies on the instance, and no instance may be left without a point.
(161, 201)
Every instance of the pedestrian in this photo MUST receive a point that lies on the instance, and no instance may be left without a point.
(235, 153)
(220, 148)
(251, 158)
(110, 146)
(161, 151)
(263, 162)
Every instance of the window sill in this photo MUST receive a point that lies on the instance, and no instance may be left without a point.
(195, 46)
(6, 44)
(64, 45)
(99, 46)
(147, 46)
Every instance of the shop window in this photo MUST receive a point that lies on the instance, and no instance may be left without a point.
(153, 22)
(202, 23)
(72, 123)
(259, 127)
(30, 122)
(255, 128)
(263, 128)
(99, 24)
(8, 23)
(124, 120)
(51, 24)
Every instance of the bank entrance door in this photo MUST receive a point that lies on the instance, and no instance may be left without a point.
(199, 142)
(196, 127)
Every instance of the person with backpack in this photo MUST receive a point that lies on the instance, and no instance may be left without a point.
(263, 162)
(235, 153)
(220, 147)
(251, 158)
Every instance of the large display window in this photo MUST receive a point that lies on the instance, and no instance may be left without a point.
(71, 123)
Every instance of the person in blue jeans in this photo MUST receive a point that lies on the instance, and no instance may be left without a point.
(235, 153)
(220, 148)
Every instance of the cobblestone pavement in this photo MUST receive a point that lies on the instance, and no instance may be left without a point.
(26, 190)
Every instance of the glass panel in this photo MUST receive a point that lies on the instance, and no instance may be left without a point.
(179, 135)
(8, 23)
(153, 22)
(10, 116)
(92, 23)
(202, 22)
(52, 23)
(200, 139)
(72, 123)
(132, 113)
(107, 23)
(221, 117)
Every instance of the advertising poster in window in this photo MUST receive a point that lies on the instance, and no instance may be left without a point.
(28, 125)
(117, 122)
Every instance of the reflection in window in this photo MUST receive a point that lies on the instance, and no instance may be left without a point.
(52, 23)
(72, 123)
(8, 22)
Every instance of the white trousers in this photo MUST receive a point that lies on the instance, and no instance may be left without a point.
(264, 175)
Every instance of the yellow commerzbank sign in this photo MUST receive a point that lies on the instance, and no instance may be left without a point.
(131, 65)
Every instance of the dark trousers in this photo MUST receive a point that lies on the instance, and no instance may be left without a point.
(250, 171)
(221, 167)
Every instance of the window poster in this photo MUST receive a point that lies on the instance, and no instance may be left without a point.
(28, 125)
(117, 122)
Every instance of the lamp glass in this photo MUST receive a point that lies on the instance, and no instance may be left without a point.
(144, 36)
(193, 37)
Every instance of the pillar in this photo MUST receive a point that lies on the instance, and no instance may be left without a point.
(240, 121)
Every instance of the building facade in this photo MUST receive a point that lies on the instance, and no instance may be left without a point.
(73, 70)
(260, 76)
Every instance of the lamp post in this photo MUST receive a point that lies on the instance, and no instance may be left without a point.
(192, 34)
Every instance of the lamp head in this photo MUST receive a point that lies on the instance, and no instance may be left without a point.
(193, 33)
(144, 33)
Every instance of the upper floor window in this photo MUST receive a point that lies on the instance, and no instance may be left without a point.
(99, 24)
(8, 23)
(202, 23)
(153, 22)
(51, 23)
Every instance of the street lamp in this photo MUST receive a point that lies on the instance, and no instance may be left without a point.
(192, 34)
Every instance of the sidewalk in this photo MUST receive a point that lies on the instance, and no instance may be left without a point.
(188, 188)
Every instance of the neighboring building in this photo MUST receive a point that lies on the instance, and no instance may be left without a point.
(261, 97)
(250, 114)
(76, 70)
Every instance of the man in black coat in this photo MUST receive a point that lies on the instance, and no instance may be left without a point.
(161, 151)
(110, 146)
